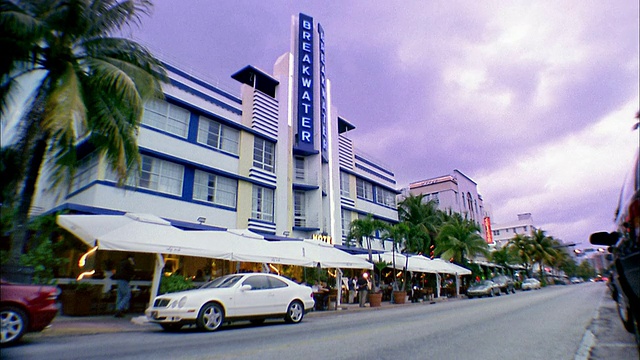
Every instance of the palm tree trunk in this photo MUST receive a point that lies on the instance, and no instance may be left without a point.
(20, 233)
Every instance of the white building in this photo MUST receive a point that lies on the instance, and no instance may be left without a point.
(503, 232)
(455, 193)
(274, 159)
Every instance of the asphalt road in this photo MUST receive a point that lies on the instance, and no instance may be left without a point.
(545, 324)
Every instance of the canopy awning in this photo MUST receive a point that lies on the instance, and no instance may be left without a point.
(151, 234)
(419, 263)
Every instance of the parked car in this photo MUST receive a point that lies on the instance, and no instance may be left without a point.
(531, 284)
(25, 308)
(576, 280)
(505, 284)
(250, 296)
(483, 288)
(624, 245)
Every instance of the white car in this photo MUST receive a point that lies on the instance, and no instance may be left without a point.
(531, 284)
(251, 296)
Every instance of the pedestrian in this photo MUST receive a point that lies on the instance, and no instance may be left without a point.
(363, 289)
(124, 274)
(353, 282)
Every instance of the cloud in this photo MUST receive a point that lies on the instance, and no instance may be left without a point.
(575, 178)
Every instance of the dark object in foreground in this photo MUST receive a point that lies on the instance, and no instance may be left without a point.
(25, 308)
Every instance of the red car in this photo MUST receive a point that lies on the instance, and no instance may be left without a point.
(25, 308)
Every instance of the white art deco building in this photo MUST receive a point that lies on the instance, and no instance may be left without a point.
(275, 158)
(455, 193)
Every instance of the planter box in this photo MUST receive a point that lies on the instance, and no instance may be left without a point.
(375, 299)
(399, 297)
(76, 303)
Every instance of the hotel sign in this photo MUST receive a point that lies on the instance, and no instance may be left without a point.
(305, 83)
(324, 143)
(487, 229)
(325, 238)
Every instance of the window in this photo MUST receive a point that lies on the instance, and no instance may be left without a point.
(215, 189)
(344, 184)
(257, 282)
(161, 175)
(262, 203)
(161, 115)
(364, 189)
(264, 154)
(87, 171)
(299, 212)
(299, 171)
(155, 174)
(346, 222)
(218, 136)
(385, 197)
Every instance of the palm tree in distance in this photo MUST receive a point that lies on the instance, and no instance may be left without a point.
(543, 251)
(91, 87)
(459, 239)
(521, 248)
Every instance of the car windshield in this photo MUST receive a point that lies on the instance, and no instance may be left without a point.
(529, 281)
(484, 283)
(222, 282)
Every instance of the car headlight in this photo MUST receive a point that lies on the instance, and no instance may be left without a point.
(182, 301)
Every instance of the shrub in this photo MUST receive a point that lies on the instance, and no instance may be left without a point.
(174, 283)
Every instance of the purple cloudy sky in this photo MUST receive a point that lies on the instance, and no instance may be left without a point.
(533, 100)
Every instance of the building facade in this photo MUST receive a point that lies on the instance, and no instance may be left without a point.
(275, 158)
(503, 232)
(456, 193)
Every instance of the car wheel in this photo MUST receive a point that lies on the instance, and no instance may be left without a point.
(470, 296)
(625, 313)
(210, 317)
(14, 324)
(295, 312)
(171, 327)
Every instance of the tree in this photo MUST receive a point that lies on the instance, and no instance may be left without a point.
(363, 231)
(458, 239)
(543, 251)
(521, 248)
(92, 87)
(423, 220)
(398, 233)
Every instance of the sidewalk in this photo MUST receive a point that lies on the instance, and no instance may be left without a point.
(64, 325)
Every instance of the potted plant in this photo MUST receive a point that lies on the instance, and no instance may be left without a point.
(375, 295)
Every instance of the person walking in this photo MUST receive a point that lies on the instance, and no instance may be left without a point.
(124, 274)
(363, 289)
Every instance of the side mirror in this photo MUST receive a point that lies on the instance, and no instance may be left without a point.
(604, 238)
(245, 287)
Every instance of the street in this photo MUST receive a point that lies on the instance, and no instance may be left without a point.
(545, 324)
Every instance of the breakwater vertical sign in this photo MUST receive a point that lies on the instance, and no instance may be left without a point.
(324, 142)
(305, 84)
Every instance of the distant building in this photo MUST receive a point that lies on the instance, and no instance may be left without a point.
(455, 193)
(503, 232)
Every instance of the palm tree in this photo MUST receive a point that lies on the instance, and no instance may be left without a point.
(423, 219)
(91, 87)
(543, 251)
(458, 239)
(521, 248)
(398, 233)
(363, 231)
